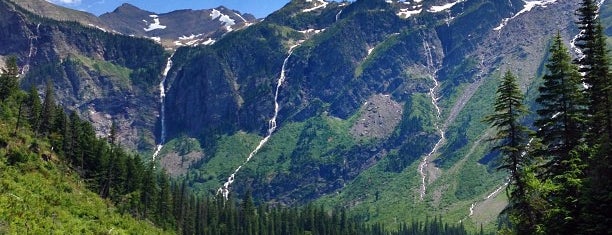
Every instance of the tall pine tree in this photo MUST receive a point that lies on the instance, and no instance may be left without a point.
(561, 113)
(512, 138)
(594, 64)
(561, 126)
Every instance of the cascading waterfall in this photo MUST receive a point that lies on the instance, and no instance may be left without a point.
(434, 100)
(31, 52)
(225, 189)
(162, 112)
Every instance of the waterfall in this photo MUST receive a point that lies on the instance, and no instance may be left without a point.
(31, 51)
(162, 112)
(434, 100)
(225, 189)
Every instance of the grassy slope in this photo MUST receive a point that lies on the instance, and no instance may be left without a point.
(38, 196)
(390, 198)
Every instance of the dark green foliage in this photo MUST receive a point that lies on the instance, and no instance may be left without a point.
(561, 124)
(46, 115)
(9, 79)
(596, 198)
(512, 138)
(35, 108)
(561, 112)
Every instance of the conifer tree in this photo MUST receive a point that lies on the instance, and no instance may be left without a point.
(596, 199)
(9, 79)
(48, 106)
(512, 138)
(34, 107)
(561, 112)
(561, 125)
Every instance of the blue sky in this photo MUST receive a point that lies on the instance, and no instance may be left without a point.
(259, 8)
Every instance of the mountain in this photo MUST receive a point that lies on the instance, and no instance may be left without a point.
(105, 77)
(355, 116)
(47, 9)
(370, 105)
(98, 70)
(177, 28)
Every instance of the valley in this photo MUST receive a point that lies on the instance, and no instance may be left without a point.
(370, 106)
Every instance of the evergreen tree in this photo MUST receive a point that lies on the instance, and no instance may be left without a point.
(561, 125)
(34, 107)
(9, 79)
(561, 113)
(512, 138)
(48, 106)
(596, 199)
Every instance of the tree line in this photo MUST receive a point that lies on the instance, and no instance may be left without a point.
(560, 172)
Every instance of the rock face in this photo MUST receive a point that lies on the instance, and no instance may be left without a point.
(104, 77)
(379, 117)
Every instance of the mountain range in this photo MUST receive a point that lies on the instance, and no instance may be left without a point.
(370, 105)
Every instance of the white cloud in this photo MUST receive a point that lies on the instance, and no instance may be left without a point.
(71, 2)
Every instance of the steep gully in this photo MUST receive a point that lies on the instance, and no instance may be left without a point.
(225, 189)
(162, 112)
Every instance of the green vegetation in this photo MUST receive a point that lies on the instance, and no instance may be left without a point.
(107, 69)
(512, 139)
(38, 196)
(561, 177)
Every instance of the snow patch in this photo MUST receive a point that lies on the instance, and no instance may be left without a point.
(97, 27)
(322, 4)
(156, 39)
(444, 7)
(210, 41)
(405, 13)
(529, 5)
(190, 37)
(226, 20)
(155, 25)
(313, 31)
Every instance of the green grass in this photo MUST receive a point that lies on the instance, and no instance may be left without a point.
(122, 74)
(231, 152)
(39, 197)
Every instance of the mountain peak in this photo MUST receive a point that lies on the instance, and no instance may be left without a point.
(127, 8)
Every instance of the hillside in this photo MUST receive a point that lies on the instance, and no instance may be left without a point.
(40, 192)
